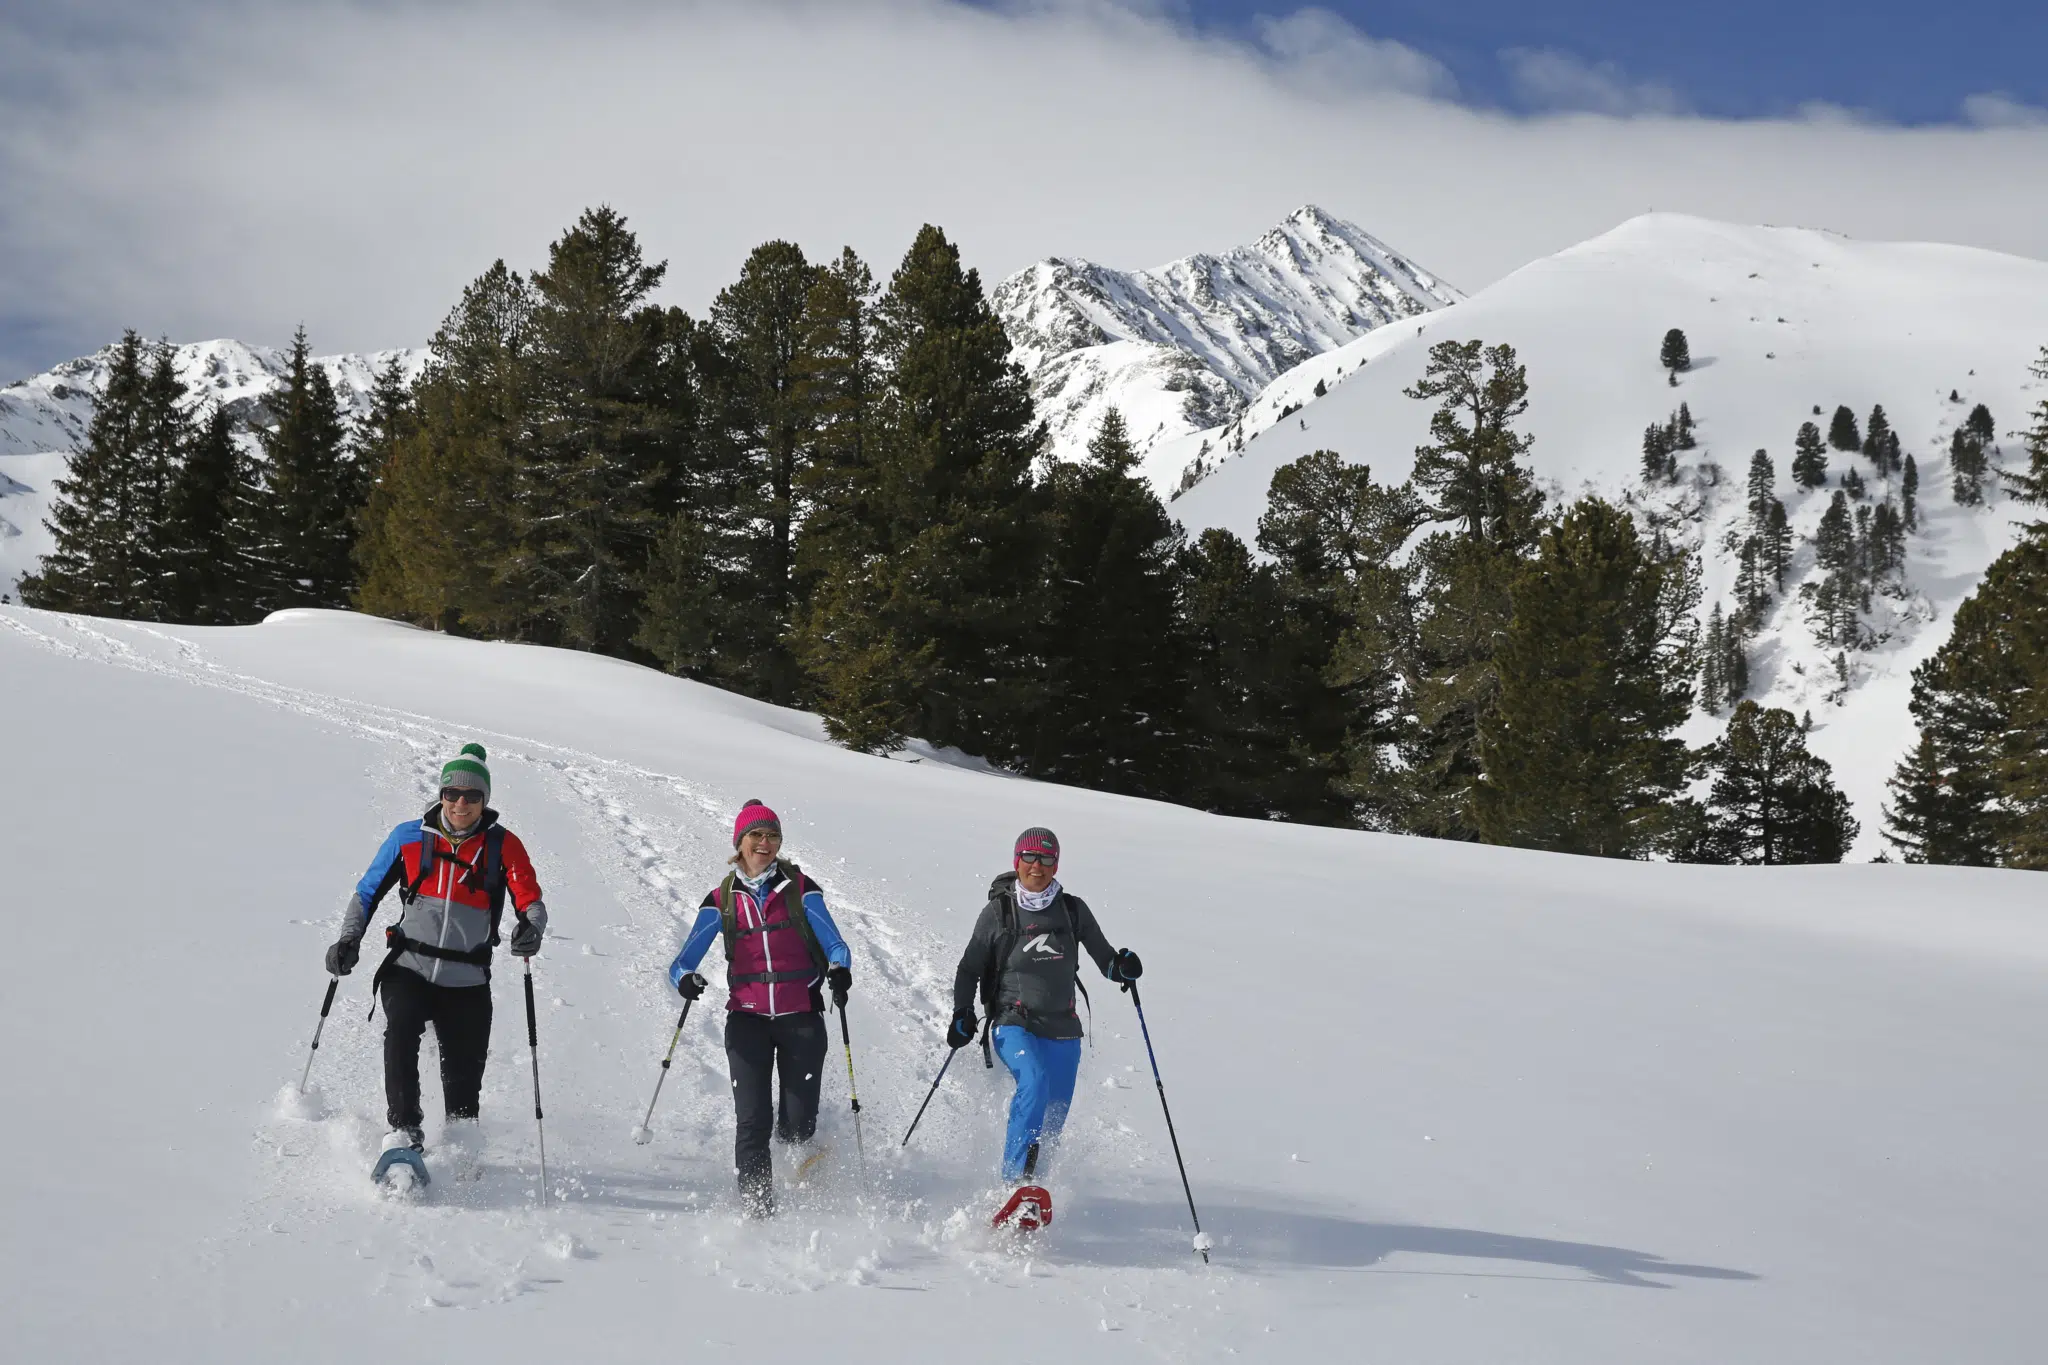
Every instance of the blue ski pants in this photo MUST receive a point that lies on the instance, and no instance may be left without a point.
(1045, 1069)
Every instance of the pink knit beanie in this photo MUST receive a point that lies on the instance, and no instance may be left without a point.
(754, 815)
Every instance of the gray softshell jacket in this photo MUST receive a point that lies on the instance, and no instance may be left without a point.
(1034, 955)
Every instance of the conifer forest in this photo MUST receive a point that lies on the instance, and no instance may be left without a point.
(832, 492)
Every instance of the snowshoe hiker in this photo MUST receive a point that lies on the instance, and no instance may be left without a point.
(782, 952)
(453, 869)
(1023, 962)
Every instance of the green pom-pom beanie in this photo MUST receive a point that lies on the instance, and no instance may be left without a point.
(467, 769)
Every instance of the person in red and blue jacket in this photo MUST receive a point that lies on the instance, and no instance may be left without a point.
(453, 868)
(782, 952)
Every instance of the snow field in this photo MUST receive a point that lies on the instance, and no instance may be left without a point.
(1439, 1103)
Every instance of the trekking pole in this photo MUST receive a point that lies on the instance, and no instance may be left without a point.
(1201, 1241)
(951, 1053)
(533, 1050)
(645, 1133)
(854, 1091)
(325, 1005)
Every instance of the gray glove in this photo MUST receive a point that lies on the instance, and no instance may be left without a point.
(525, 938)
(341, 957)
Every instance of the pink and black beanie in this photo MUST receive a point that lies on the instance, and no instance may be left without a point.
(1037, 839)
(754, 815)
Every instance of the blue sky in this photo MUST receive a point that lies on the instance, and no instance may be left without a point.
(1906, 63)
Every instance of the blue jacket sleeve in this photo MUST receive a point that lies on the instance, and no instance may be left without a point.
(695, 946)
(385, 869)
(836, 951)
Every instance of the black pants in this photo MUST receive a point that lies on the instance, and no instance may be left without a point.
(461, 1016)
(794, 1045)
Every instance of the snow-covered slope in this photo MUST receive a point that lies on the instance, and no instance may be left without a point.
(1781, 321)
(44, 418)
(1454, 1104)
(1183, 347)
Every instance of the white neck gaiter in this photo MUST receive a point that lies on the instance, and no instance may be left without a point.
(1038, 900)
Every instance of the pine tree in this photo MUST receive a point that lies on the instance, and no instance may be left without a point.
(1659, 464)
(438, 519)
(1773, 801)
(1110, 717)
(1885, 554)
(1471, 472)
(1909, 495)
(1966, 464)
(1675, 354)
(1842, 432)
(1777, 544)
(1852, 483)
(1752, 586)
(763, 407)
(1321, 388)
(2031, 485)
(1252, 692)
(1336, 537)
(108, 520)
(587, 480)
(212, 530)
(1682, 429)
(1975, 799)
(934, 631)
(1596, 674)
(1877, 439)
(1470, 478)
(309, 494)
(1763, 483)
(1929, 819)
(1980, 425)
(1810, 461)
(1834, 540)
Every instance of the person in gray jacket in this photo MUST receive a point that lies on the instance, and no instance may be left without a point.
(1023, 960)
(453, 868)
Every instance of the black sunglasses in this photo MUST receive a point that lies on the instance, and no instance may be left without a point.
(465, 795)
(1042, 859)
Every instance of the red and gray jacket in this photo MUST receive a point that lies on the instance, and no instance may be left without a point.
(779, 939)
(453, 892)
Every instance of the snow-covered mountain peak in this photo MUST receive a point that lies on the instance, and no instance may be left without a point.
(1183, 347)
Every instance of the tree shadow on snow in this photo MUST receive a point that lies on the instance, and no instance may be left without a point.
(1126, 1232)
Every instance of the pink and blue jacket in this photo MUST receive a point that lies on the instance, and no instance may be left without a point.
(771, 971)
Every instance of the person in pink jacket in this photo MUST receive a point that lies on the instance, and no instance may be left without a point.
(782, 953)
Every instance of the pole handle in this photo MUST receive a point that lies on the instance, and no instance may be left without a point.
(328, 1003)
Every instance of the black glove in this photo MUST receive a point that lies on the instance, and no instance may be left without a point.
(961, 1031)
(341, 958)
(1125, 967)
(841, 981)
(526, 938)
(691, 986)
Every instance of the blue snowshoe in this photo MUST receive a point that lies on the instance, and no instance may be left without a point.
(400, 1167)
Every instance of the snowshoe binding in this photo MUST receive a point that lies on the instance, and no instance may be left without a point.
(1029, 1209)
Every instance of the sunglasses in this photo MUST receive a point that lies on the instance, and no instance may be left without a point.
(1042, 859)
(463, 795)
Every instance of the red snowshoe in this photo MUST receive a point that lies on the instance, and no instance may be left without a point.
(1029, 1208)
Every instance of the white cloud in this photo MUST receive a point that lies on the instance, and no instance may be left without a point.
(1995, 109)
(1550, 81)
(352, 165)
(1317, 46)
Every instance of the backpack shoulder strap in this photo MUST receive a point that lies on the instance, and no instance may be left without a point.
(728, 925)
(494, 875)
(801, 917)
